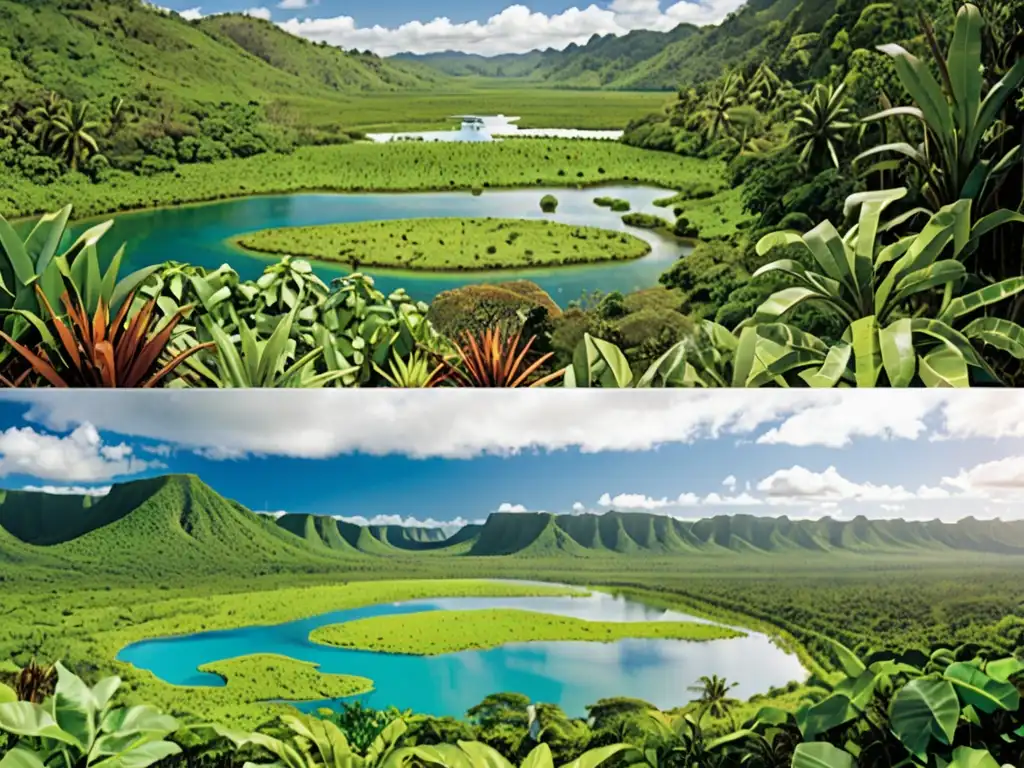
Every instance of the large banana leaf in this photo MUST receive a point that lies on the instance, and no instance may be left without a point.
(924, 709)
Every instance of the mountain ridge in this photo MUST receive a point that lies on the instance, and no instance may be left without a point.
(181, 521)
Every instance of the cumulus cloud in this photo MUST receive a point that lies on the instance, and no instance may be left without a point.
(80, 456)
(508, 507)
(515, 29)
(69, 490)
(468, 423)
(1002, 477)
(294, 5)
(730, 482)
(408, 521)
(193, 14)
(799, 485)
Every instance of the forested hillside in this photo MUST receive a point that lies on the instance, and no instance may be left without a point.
(801, 40)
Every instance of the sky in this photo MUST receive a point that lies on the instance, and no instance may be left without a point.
(487, 27)
(452, 457)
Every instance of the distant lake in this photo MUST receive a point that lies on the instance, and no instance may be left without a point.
(570, 674)
(198, 234)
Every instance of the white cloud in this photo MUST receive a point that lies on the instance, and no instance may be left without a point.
(79, 456)
(69, 490)
(262, 12)
(508, 507)
(448, 526)
(515, 29)
(631, 501)
(740, 500)
(579, 508)
(801, 485)
(294, 5)
(466, 423)
(730, 482)
(1003, 477)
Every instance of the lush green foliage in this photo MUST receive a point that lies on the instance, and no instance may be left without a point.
(362, 167)
(479, 629)
(450, 244)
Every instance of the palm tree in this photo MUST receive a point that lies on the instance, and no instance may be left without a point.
(723, 112)
(44, 118)
(764, 86)
(714, 698)
(71, 135)
(822, 124)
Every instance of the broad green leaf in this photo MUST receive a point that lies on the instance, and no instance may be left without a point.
(780, 303)
(999, 333)
(899, 358)
(866, 351)
(836, 363)
(44, 240)
(141, 756)
(595, 757)
(859, 690)
(981, 691)
(965, 66)
(17, 255)
(27, 719)
(74, 706)
(600, 363)
(1003, 669)
(992, 105)
(539, 757)
(944, 366)
(982, 297)
(484, 756)
(21, 757)
(939, 273)
(832, 255)
(922, 709)
(829, 713)
(821, 754)
(743, 357)
(966, 757)
(139, 719)
(7, 694)
(669, 370)
(923, 88)
(934, 329)
(848, 660)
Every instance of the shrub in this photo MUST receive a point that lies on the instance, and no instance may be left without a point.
(548, 203)
(474, 308)
(644, 221)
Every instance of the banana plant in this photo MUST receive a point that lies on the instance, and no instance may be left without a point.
(884, 295)
(315, 743)
(77, 727)
(474, 754)
(34, 262)
(962, 155)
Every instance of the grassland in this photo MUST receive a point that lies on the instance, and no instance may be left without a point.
(713, 217)
(367, 167)
(538, 108)
(436, 632)
(450, 244)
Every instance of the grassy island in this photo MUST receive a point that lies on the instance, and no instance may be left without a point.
(436, 632)
(450, 243)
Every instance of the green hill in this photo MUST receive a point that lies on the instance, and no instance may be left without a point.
(318, 65)
(96, 49)
(179, 524)
(798, 39)
(642, 533)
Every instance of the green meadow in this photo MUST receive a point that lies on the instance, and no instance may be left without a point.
(367, 167)
(448, 244)
(436, 632)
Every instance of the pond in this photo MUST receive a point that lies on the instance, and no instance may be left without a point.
(198, 234)
(570, 674)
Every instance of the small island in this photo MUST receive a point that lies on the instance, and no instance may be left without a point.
(449, 244)
(432, 633)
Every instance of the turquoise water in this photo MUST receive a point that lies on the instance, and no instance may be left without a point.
(570, 674)
(197, 234)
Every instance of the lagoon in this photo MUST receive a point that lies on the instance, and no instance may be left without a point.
(570, 674)
(199, 234)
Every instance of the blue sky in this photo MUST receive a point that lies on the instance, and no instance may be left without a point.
(486, 27)
(459, 455)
